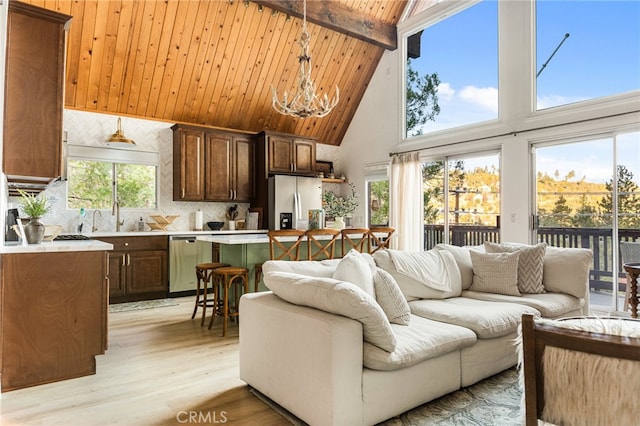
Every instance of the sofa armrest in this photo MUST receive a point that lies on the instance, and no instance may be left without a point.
(306, 360)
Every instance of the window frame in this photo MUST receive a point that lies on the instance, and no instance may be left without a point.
(116, 156)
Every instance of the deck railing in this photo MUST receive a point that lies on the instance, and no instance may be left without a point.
(598, 240)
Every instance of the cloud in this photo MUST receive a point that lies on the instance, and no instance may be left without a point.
(486, 97)
(446, 92)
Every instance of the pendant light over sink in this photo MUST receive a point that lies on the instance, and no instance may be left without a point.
(118, 139)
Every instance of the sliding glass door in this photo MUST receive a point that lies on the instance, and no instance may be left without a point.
(587, 195)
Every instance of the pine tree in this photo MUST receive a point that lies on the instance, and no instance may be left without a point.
(422, 99)
(628, 200)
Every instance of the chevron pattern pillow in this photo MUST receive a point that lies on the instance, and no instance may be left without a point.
(530, 264)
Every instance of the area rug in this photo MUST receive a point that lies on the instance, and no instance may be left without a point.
(144, 304)
(493, 401)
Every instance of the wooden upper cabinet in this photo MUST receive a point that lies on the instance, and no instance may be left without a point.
(210, 165)
(288, 154)
(188, 164)
(34, 93)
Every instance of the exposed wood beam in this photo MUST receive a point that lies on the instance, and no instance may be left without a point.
(340, 18)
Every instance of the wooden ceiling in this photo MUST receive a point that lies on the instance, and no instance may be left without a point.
(213, 62)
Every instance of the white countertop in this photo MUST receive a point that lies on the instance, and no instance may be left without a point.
(171, 232)
(236, 238)
(57, 246)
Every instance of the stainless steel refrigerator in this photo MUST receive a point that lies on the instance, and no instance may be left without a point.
(291, 198)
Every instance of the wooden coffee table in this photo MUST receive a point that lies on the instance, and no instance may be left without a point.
(633, 269)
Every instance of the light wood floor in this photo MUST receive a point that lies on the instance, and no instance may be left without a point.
(160, 368)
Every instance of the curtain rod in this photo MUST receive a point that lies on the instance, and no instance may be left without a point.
(514, 133)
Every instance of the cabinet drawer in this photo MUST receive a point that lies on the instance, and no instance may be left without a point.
(160, 242)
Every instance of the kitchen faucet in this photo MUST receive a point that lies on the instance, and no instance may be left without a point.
(94, 228)
(115, 211)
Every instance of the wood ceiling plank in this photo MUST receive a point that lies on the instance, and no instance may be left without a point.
(268, 72)
(164, 48)
(183, 46)
(248, 53)
(148, 62)
(223, 63)
(73, 53)
(108, 55)
(86, 42)
(121, 56)
(172, 59)
(338, 17)
(197, 51)
(142, 23)
(97, 54)
(204, 77)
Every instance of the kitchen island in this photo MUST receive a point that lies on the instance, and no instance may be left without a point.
(53, 317)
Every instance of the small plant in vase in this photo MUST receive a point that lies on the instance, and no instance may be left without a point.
(34, 207)
(339, 207)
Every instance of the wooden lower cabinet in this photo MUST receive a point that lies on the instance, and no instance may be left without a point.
(137, 268)
(53, 316)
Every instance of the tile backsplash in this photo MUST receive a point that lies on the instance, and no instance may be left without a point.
(86, 128)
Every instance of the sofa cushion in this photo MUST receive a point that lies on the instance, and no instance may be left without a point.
(566, 270)
(337, 297)
(486, 319)
(530, 263)
(550, 305)
(314, 268)
(413, 289)
(495, 272)
(354, 268)
(390, 298)
(422, 339)
(463, 260)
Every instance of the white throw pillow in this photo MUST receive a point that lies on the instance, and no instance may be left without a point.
(530, 264)
(355, 268)
(390, 298)
(566, 270)
(336, 297)
(495, 273)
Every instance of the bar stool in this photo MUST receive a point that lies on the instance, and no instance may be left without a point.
(226, 277)
(204, 271)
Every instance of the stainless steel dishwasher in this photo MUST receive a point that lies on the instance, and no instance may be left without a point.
(185, 252)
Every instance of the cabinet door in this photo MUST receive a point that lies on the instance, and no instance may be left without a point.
(34, 85)
(244, 169)
(116, 273)
(280, 155)
(304, 157)
(218, 163)
(188, 167)
(147, 271)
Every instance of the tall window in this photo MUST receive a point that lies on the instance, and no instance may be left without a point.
(98, 177)
(588, 196)
(462, 201)
(441, 92)
(586, 50)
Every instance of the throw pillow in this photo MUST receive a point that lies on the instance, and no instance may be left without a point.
(390, 298)
(495, 273)
(530, 264)
(357, 269)
(336, 297)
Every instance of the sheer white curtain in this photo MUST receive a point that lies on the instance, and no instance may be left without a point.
(405, 193)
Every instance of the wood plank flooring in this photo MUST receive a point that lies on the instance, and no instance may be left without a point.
(160, 368)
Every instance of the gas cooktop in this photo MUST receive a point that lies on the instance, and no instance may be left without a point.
(69, 237)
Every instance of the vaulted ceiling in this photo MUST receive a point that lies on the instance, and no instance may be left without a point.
(213, 63)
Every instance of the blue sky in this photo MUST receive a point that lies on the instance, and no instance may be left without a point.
(601, 57)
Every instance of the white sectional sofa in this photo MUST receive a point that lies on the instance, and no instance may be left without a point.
(334, 342)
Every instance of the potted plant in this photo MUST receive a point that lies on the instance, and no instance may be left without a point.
(34, 207)
(339, 207)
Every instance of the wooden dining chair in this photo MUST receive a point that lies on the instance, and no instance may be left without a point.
(629, 252)
(321, 243)
(355, 238)
(379, 238)
(284, 244)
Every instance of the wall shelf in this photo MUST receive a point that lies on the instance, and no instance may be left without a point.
(335, 180)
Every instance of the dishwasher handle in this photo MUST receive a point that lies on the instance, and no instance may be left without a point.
(186, 239)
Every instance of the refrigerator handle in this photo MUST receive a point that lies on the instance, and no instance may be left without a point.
(297, 205)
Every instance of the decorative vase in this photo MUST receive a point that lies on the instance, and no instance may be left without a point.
(338, 222)
(34, 231)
